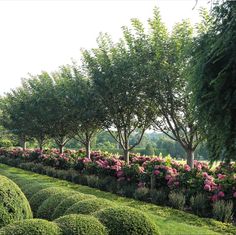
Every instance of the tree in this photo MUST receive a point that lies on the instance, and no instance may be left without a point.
(85, 106)
(14, 115)
(170, 80)
(119, 78)
(214, 82)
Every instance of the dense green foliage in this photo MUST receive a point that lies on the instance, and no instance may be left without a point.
(48, 206)
(68, 202)
(39, 197)
(214, 81)
(126, 221)
(31, 227)
(88, 206)
(80, 224)
(13, 203)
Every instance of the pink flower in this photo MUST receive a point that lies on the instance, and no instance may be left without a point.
(187, 167)
(214, 198)
(141, 184)
(156, 172)
(168, 177)
(234, 194)
(221, 194)
(207, 187)
(204, 174)
(221, 177)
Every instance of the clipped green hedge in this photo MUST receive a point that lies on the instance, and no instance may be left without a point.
(47, 208)
(31, 227)
(39, 197)
(31, 188)
(80, 225)
(89, 206)
(13, 203)
(68, 202)
(126, 221)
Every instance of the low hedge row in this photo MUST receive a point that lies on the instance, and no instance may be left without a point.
(52, 203)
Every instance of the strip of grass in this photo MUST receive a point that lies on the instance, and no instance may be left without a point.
(168, 220)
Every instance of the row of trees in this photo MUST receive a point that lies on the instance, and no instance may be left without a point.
(127, 87)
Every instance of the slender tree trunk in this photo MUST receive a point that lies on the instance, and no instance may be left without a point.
(190, 157)
(24, 145)
(40, 143)
(61, 147)
(88, 149)
(23, 142)
(126, 156)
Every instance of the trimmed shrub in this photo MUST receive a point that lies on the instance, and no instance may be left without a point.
(199, 204)
(32, 188)
(80, 224)
(88, 206)
(126, 221)
(13, 203)
(48, 206)
(177, 200)
(92, 181)
(68, 202)
(31, 227)
(223, 211)
(141, 194)
(39, 197)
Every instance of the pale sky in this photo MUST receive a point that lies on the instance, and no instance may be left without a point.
(42, 35)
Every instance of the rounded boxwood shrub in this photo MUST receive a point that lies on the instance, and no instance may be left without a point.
(126, 221)
(89, 206)
(39, 197)
(30, 189)
(80, 224)
(13, 203)
(68, 202)
(32, 227)
(46, 209)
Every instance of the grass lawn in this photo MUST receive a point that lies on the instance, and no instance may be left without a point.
(169, 221)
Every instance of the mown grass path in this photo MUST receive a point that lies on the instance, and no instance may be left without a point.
(169, 221)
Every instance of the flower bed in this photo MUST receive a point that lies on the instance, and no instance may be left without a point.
(142, 177)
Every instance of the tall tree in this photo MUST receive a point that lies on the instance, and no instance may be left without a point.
(215, 82)
(170, 78)
(119, 78)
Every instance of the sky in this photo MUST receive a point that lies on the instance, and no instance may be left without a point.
(41, 35)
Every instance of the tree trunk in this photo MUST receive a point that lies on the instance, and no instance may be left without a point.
(23, 142)
(190, 158)
(126, 156)
(24, 145)
(61, 146)
(40, 143)
(88, 149)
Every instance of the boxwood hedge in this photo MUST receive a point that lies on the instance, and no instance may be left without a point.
(89, 206)
(126, 221)
(39, 197)
(68, 202)
(31, 227)
(13, 203)
(80, 224)
(46, 209)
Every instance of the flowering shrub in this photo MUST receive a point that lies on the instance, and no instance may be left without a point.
(155, 173)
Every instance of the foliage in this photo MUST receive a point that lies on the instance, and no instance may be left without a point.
(13, 204)
(177, 200)
(47, 208)
(80, 224)
(88, 206)
(199, 204)
(65, 204)
(126, 221)
(214, 81)
(32, 227)
(223, 211)
(141, 193)
(39, 197)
